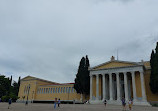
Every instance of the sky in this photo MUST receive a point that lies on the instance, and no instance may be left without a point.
(48, 38)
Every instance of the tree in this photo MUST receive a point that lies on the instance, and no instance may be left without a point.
(82, 80)
(19, 83)
(11, 80)
(4, 85)
(79, 77)
(7, 90)
(154, 70)
(87, 78)
(15, 88)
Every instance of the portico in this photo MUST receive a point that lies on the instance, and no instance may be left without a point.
(114, 82)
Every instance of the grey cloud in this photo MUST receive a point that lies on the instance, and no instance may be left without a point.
(48, 38)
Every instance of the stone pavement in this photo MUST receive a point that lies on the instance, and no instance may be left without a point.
(70, 107)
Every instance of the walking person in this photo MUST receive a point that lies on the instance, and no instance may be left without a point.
(105, 102)
(59, 102)
(26, 103)
(130, 104)
(9, 103)
(123, 104)
(55, 102)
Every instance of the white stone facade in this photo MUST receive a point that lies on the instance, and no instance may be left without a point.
(117, 83)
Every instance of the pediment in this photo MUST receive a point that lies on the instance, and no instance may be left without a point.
(115, 64)
(28, 78)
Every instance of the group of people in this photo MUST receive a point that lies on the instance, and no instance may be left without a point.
(130, 102)
(57, 102)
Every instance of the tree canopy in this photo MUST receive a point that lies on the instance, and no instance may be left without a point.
(82, 80)
(4, 85)
(7, 89)
(154, 70)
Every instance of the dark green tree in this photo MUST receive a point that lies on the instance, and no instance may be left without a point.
(15, 88)
(82, 80)
(19, 84)
(87, 77)
(11, 80)
(19, 81)
(4, 85)
(7, 90)
(79, 77)
(154, 70)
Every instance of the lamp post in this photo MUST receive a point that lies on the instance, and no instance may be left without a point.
(32, 96)
(28, 95)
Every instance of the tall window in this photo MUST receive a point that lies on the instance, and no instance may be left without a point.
(69, 90)
(44, 90)
(53, 90)
(56, 90)
(64, 90)
(47, 90)
(61, 89)
(72, 89)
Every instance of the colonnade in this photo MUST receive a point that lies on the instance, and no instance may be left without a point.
(117, 85)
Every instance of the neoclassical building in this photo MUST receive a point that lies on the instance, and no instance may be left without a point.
(111, 80)
(115, 79)
(36, 89)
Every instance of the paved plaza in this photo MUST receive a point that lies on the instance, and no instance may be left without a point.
(70, 107)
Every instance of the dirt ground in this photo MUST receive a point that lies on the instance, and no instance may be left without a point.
(70, 107)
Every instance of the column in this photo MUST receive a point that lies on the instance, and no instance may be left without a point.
(110, 86)
(143, 86)
(91, 86)
(97, 87)
(106, 88)
(126, 86)
(134, 86)
(103, 84)
(118, 86)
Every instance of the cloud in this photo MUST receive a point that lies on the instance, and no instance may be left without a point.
(48, 38)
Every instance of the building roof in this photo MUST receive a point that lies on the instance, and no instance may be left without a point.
(51, 83)
(118, 63)
(35, 78)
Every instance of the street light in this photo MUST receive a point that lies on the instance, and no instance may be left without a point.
(32, 96)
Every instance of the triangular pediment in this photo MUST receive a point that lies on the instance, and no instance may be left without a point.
(115, 64)
(28, 78)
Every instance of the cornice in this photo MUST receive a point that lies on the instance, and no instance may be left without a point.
(117, 70)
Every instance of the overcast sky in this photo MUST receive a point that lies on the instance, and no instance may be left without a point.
(47, 38)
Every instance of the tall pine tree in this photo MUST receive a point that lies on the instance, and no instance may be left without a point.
(154, 70)
(19, 83)
(87, 78)
(11, 80)
(82, 80)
